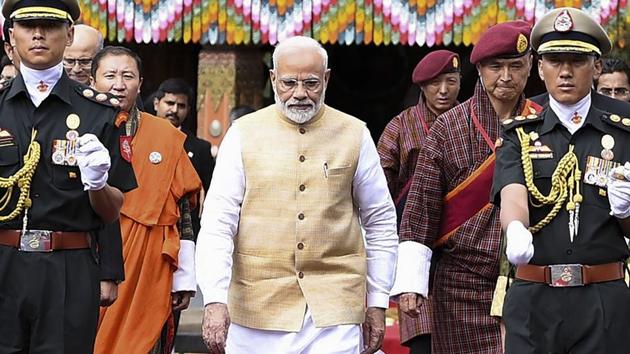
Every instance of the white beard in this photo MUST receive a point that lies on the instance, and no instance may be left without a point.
(299, 116)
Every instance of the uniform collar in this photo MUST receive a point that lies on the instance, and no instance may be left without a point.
(566, 112)
(60, 89)
(592, 117)
(40, 83)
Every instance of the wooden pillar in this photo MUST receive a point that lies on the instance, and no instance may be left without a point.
(228, 77)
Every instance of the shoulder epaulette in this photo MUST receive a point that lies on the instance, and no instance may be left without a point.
(518, 121)
(617, 121)
(96, 96)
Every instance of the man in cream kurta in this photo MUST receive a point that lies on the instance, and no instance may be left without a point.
(280, 239)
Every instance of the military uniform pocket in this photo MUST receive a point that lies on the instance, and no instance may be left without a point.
(66, 177)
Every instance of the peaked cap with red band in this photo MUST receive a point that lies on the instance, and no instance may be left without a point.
(434, 64)
(504, 40)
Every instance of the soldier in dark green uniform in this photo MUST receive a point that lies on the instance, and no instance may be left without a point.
(61, 177)
(563, 214)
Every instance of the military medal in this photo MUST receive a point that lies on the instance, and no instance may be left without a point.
(57, 158)
(72, 135)
(608, 142)
(73, 121)
(155, 157)
(597, 171)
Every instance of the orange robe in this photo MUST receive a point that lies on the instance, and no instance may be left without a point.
(148, 223)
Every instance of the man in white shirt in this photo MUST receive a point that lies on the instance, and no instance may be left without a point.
(280, 226)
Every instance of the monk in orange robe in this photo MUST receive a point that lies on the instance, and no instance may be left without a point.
(157, 269)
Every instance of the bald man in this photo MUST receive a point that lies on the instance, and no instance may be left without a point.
(77, 58)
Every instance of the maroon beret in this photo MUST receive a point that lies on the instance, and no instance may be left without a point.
(504, 40)
(435, 63)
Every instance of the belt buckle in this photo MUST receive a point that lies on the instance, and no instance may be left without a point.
(566, 275)
(36, 241)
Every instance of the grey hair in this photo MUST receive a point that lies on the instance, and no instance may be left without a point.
(299, 42)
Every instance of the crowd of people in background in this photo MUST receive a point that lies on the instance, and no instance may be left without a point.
(497, 224)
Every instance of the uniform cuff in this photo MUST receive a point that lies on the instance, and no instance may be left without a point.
(412, 269)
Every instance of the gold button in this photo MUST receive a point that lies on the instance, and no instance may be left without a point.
(300, 275)
(300, 246)
(302, 187)
(302, 158)
(301, 216)
(615, 118)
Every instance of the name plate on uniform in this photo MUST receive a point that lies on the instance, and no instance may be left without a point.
(64, 152)
(597, 171)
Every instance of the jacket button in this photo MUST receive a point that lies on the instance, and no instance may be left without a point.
(569, 252)
(302, 158)
(302, 187)
(300, 275)
(301, 216)
(302, 130)
(300, 246)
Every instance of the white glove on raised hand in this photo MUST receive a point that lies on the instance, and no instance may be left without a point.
(94, 162)
(520, 246)
(619, 191)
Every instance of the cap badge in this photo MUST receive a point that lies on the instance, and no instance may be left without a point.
(455, 62)
(521, 43)
(563, 22)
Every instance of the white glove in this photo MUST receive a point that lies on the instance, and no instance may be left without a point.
(619, 191)
(520, 246)
(184, 276)
(94, 162)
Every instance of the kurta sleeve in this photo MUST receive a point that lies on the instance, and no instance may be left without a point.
(422, 214)
(389, 152)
